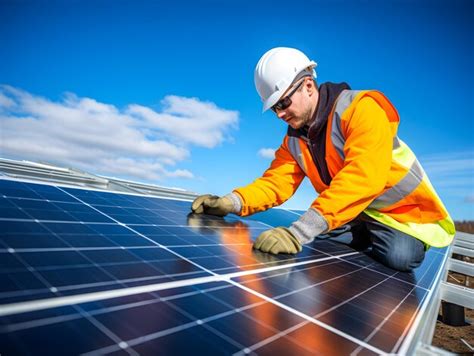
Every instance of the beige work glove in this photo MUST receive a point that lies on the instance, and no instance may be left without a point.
(278, 240)
(213, 205)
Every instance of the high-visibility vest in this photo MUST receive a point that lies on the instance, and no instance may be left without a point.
(372, 171)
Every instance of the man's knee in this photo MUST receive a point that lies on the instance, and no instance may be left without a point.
(403, 261)
(398, 251)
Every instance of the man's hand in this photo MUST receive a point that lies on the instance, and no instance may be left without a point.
(212, 204)
(278, 240)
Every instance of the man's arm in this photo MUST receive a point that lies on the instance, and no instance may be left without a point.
(277, 184)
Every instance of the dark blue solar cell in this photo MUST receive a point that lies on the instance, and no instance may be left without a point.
(33, 204)
(10, 211)
(17, 238)
(5, 203)
(27, 228)
(19, 193)
(69, 337)
(9, 262)
(75, 276)
(51, 193)
(197, 338)
(128, 219)
(110, 229)
(19, 281)
(63, 259)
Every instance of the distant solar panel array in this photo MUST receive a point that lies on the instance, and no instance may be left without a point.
(91, 272)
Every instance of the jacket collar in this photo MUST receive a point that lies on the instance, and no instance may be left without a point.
(328, 94)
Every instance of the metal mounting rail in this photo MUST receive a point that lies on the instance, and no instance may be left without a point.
(458, 295)
(44, 172)
(462, 296)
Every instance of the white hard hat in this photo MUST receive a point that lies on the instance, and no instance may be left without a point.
(277, 70)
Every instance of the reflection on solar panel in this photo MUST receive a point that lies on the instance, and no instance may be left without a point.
(95, 272)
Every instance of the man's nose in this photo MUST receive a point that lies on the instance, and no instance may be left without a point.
(281, 113)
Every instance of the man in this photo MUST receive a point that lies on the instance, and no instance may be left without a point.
(372, 190)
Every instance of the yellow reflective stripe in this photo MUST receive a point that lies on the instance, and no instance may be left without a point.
(295, 150)
(402, 189)
(412, 179)
(439, 234)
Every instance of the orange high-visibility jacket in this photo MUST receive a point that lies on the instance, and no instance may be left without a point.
(371, 171)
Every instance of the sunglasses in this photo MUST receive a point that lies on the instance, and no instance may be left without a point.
(285, 102)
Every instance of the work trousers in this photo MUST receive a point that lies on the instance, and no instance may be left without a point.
(387, 245)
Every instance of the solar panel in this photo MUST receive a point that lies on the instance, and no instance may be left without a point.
(93, 272)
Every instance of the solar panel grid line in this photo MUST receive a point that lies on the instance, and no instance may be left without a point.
(65, 249)
(31, 324)
(47, 321)
(350, 299)
(23, 307)
(166, 332)
(148, 337)
(385, 274)
(98, 266)
(286, 266)
(216, 288)
(271, 339)
(35, 273)
(251, 348)
(408, 325)
(88, 285)
(96, 296)
(405, 337)
(115, 338)
(278, 297)
(394, 309)
(69, 249)
(264, 342)
(404, 343)
(202, 322)
(312, 320)
(153, 336)
(309, 286)
(376, 330)
(145, 237)
(56, 221)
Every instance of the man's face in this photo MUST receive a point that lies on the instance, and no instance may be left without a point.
(299, 113)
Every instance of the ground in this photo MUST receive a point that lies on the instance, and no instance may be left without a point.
(451, 338)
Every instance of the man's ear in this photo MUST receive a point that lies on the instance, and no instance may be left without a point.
(310, 87)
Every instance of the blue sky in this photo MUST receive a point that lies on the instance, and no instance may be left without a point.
(163, 91)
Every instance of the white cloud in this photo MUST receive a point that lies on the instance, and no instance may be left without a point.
(5, 102)
(268, 153)
(189, 120)
(133, 142)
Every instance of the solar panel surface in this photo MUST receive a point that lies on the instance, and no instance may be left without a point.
(91, 272)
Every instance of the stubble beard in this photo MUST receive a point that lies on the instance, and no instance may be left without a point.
(306, 117)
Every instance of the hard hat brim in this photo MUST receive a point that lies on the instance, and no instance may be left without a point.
(273, 99)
